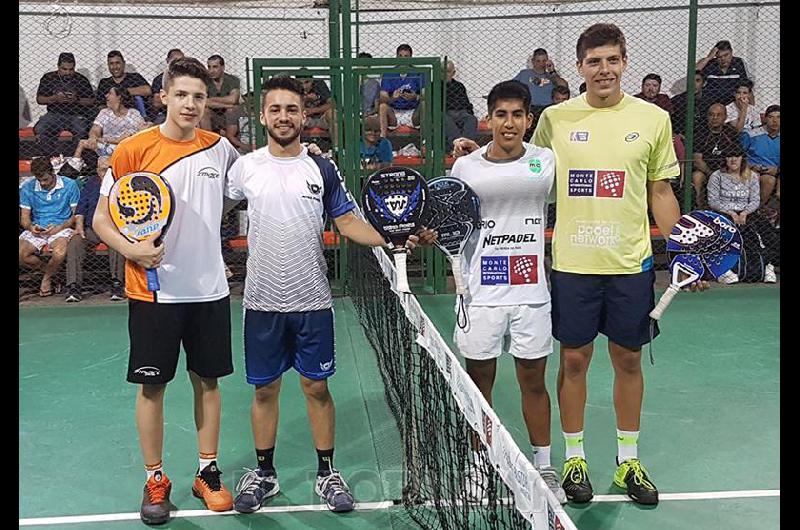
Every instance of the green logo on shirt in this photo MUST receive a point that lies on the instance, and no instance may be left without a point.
(535, 165)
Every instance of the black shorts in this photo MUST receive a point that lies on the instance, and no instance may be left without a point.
(616, 305)
(158, 330)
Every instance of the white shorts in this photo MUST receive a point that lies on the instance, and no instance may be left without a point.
(39, 242)
(404, 117)
(524, 331)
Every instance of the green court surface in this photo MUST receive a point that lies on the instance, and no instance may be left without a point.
(710, 424)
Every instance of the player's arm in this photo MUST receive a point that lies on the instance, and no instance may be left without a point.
(143, 253)
(357, 230)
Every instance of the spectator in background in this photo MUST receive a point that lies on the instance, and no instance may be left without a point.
(159, 110)
(582, 88)
(540, 79)
(560, 94)
(376, 151)
(763, 146)
(318, 102)
(734, 191)
(709, 145)
(722, 72)
(370, 92)
(85, 235)
(47, 207)
(400, 96)
(24, 109)
(741, 114)
(113, 124)
(459, 117)
(701, 104)
(237, 126)
(135, 84)
(70, 103)
(651, 92)
(224, 93)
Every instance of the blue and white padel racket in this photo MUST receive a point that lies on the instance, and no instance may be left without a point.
(394, 200)
(701, 243)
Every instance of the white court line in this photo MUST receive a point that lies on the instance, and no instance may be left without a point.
(382, 505)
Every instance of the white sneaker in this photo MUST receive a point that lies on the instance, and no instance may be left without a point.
(769, 274)
(550, 477)
(728, 278)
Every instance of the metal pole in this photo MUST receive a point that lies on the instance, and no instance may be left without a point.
(690, 101)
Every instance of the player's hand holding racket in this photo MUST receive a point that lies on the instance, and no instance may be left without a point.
(394, 200)
(140, 205)
(703, 243)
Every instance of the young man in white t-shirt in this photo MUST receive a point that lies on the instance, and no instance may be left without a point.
(508, 304)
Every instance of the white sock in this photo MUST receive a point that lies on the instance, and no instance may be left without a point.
(627, 445)
(541, 456)
(574, 442)
(153, 469)
(205, 459)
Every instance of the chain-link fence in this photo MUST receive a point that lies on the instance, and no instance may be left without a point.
(488, 41)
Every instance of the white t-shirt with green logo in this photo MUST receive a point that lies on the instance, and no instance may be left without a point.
(503, 262)
(605, 157)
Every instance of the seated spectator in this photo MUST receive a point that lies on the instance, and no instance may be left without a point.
(400, 96)
(722, 72)
(376, 152)
(237, 126)
(734, 191)
(47, 214)
(560, 94)
(741, 114)
(159, 110)
(540, 79)
(370, 92)
(85, 235)
(318, 103)
(651, 92)
(113, 124)
(710, 142)
(222, 105)
(459, 119)
(679, 105)
(70, 103)
(763, 146)
(24, 109)
(135, 84)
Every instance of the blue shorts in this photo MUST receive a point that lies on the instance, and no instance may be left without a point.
(275, 342)
(616, 305)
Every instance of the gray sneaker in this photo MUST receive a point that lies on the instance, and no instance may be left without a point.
(550, 477)
(333, 490)
(255, 487)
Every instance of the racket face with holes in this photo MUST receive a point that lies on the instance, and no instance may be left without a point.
(455, 212)
(686, 269)
(710, 236)
(394, 200)
(141, 205)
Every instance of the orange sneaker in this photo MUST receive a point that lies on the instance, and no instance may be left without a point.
(209, 488)
(155, 501)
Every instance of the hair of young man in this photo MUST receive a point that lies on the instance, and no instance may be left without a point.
(372, 123)
(654, 77)
(771, 109)
(405, 47)
(364, 55)
(745, 83)
(173, 50)
(512, 89)
(561, 89)
(539, 51)
(723, 45)
(217, 57)
(115, 53)
(600, 35)
(185, 67)
(281, 82)
(41, 165)
(66, 57)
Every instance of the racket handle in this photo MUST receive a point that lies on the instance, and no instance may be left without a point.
(457, 278)
(152, 280)
(400, 256)
(663, 302)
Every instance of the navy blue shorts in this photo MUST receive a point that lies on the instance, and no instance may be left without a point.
(275, 342)
(616, 305)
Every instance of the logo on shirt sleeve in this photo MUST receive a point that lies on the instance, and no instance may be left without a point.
(606, 183)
